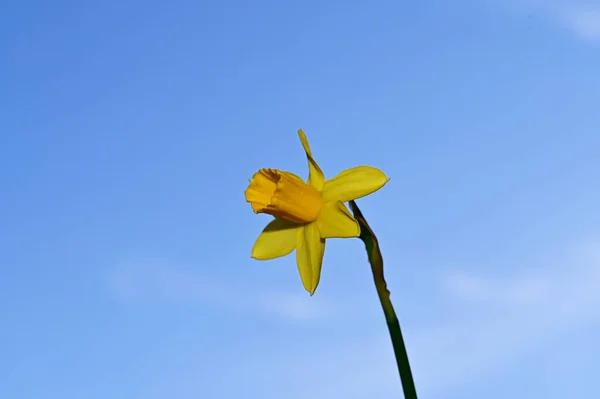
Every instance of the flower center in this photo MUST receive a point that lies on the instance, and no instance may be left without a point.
(279, 194)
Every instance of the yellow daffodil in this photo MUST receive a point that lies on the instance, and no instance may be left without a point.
(307, 213)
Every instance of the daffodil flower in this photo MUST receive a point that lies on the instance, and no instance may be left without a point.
(307, 213)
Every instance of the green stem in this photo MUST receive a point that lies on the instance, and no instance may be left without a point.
(376, 261)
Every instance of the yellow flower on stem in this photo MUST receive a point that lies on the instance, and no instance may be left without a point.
(307, 213)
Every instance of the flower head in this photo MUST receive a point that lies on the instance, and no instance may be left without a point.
(307, 213)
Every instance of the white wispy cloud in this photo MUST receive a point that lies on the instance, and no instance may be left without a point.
(494, 321)
(584, 21)
(484, 325)
(580, 17)
(151, 281)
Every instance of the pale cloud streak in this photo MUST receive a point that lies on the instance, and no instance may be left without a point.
(494, 321)
(581, 18)
(585, 22)
(483, 325)
(486, 325)
(151, 281)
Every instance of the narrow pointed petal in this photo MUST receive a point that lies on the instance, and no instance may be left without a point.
(276, 240)
(335, 221)
(310, 248)
(316, 178)
(354, 183)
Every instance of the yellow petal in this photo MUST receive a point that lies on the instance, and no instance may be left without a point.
(335, 221)
(293, 176)
(310, 248)
(276, 240)
(316, 179)
(354, 183)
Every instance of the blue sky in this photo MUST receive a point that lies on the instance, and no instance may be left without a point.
(128, 132)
